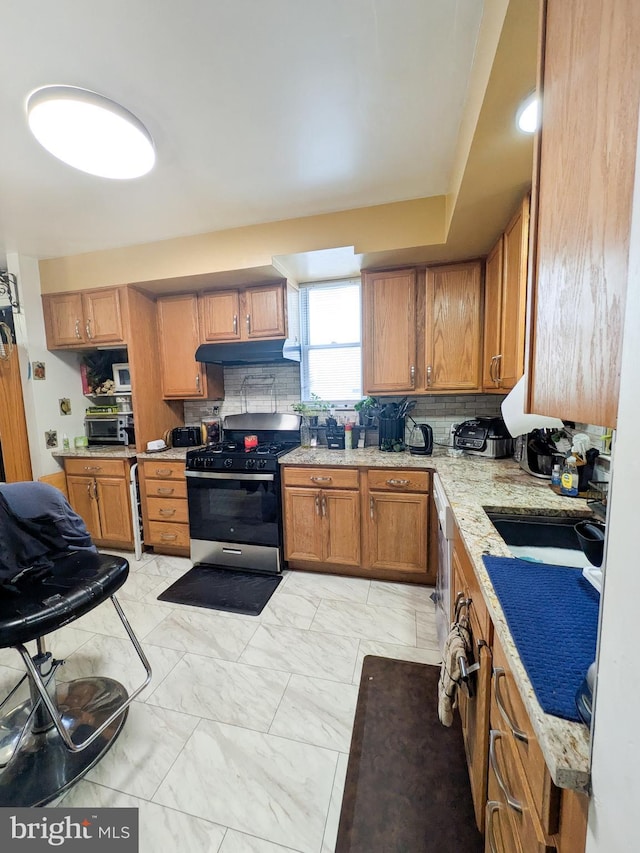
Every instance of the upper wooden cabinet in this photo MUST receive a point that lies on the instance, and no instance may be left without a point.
(505, 305)
(581, 207)
(79, 320)
(242, 315)
(179, 336)
(453, 327)
(389, 357)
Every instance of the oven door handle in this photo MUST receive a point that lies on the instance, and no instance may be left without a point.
(229, 475)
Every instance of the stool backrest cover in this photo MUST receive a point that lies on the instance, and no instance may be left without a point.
(27, 546)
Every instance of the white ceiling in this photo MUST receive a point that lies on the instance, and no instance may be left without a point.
(260, 110)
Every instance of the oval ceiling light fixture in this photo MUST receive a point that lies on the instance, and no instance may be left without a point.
(527, 115)
(90, 132)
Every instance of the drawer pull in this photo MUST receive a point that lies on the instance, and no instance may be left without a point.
(167, 512)
(168, 537)
(92, 468)
(163, 472)
(321, 479)
(493, 806)
(317, 504)
(498, 673)
(516, 805)
(164, 490)
(398, 482)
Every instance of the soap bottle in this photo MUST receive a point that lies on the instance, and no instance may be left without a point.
(569, 481)
(348, 436)
(555, 475)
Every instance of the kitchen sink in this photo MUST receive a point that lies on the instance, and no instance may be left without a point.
(541, 538)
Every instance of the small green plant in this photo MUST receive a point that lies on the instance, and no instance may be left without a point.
(366, 403)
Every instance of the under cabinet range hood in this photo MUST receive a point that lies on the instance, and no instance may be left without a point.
(250, 352)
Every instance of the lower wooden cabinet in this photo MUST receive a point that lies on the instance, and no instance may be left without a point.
(98, 490)
(366, 522)
(165, 518)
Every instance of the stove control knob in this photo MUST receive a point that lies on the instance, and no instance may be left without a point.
(262, 463)
(250, 463)
(198, 462)
(208, 463)
(228, 463)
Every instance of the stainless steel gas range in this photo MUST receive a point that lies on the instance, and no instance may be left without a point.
(234, 496)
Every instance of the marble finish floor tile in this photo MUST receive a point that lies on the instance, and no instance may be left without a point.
(401, 596)
(238, 842)
(149, 743)
(427, 633)
(221, 690)
(304, 652)
(365, 621)
(142, 617)
(388, 650)
(262, 785)
(317, 711)
(205, 632)
(331, 587)
(166, 567)
(335, 806)
(290, 610)
(161, 829)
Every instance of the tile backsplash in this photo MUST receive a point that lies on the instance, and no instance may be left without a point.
(275, 387)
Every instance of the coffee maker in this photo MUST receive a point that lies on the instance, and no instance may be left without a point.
(537, 453)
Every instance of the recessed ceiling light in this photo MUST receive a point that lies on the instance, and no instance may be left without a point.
(90, 132)
(527, 115)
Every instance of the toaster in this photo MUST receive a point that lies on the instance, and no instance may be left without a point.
(186, 436)
(484, 437)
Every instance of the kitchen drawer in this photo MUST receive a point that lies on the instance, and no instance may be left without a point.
(398, 480)
(96, 467)
(168, 534)
(169, 470)
(321, 478)
(167, 509)
(166, 488)
(509, 713)
(501, 835)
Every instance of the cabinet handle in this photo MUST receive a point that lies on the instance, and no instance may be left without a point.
(492, 365)
(317, 504)
(321, 479)
(493, 806)
(167, 513)
(398, 482)
(428, 374)
(6, 342)
(89, 492)
(235, 324)
(168, 537)
(371, 508)
(516, 805)
(324, 506)
(498, 379)
(197, 381)
(248, 323)
(88, 329)
(498, 673)
(92, 468)
(164, 491)
(78, 335)
(163, 472)
(412, 374)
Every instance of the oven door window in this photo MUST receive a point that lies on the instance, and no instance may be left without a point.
(241, 511)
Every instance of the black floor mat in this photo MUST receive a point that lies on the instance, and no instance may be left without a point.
(223, 589)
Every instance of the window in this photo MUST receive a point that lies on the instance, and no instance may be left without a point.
(331, 362)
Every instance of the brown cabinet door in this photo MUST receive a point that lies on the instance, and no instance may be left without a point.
(114, 508)
(303, 525)
(514, 298)
(264, 312)
(492, 316)
(64, 320)
(585, 180)
(397, 531)
(389, 331)
(182, 376)
(83, 498)
(102, 317)
(220, 316)
(341, 514)
(13, 422)
(453, 328)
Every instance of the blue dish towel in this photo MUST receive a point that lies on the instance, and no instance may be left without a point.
(552, 613)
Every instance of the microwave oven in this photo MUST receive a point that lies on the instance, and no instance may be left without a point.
(117, 429)
(121, 377)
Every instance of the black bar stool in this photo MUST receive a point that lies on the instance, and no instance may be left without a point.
(49, 741)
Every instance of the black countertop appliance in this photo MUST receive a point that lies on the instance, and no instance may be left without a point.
(484, 437)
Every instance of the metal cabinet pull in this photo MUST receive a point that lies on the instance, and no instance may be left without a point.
(78, 335)
(95, 490)
(317, 504)
(89, 492)
(498, 673)
(412, 374)
(498, 379)
(163, 472)
(249, 323)
(428, 374)
(324, 506)
(398, 482)
(492, 372)
(164, 491)
(92, 468)
(321, 479)
(168, 537)
(88, 330)
(197, 381)
(493, 806)
(516, 805)
(167, 512)
(235, 324)
(6, 342)
(371, 508)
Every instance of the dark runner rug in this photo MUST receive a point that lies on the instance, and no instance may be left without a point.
(407, 787)
(223, 589)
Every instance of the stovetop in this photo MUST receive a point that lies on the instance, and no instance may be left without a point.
(233, 456)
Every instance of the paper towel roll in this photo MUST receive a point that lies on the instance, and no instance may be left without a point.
(519, 422)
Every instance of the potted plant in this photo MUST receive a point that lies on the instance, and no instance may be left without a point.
(367, 409)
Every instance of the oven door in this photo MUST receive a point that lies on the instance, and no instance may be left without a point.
(235, 519)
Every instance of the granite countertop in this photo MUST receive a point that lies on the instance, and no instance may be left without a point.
(97, 451)
(170, 453)
(471, 485)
